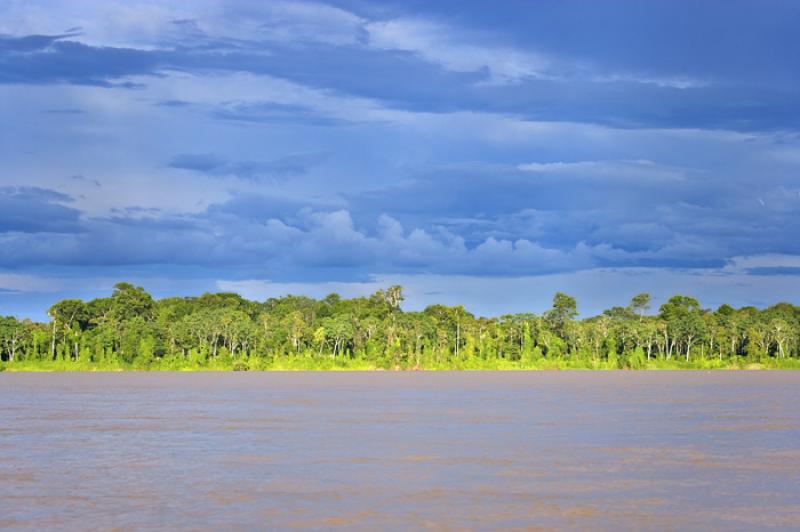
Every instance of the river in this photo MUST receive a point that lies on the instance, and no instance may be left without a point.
(400, 451)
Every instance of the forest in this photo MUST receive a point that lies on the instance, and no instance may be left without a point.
(223, 331)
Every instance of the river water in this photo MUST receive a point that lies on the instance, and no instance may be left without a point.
(400, 451)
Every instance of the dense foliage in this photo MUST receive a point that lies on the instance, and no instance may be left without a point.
(225, 331)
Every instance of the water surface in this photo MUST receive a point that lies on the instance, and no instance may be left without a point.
(480, 451)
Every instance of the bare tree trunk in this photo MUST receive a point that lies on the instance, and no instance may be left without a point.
(53, 342)
(458, 336)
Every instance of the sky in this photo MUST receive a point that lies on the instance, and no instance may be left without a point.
(478, 153)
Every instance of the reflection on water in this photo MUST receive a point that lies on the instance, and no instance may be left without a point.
(400, 450)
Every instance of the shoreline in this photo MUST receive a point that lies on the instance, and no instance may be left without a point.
(297, 369)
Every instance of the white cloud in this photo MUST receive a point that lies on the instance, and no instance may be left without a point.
(332, 238)
(152, 24)
(743, 264)
(637, 169)
(305, 21)
(674, 82)
(438, 44)
(243, 91)
(109, 23)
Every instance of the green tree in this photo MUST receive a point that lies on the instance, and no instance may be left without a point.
(67, 316)
(682, 315)
(565, 308)
(640, 304)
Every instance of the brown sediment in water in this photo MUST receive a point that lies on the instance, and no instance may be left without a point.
(400, 450)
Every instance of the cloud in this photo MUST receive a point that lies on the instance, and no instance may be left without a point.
(677, 82)
(29, 43)
(422, 64)
(260, 98)
(316, 22)
(83, 179)
(24, 283)
(35, 210)
(437, 44)
(257, 209)
(260, 235)
(55, 60)
(202, 162)
(274, 113)
(767, 263)
(315, 141)
(498, 190)
(287, 166)
(174, 103)
(638, 170)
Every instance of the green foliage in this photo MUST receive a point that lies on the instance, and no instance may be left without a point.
(640, 303)
(240, 365)
(611, 352)
(637, 359)
(145, 354)
(565, 308)
(131, 330)
(536, 354)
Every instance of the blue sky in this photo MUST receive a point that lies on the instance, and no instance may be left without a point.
(481, 153)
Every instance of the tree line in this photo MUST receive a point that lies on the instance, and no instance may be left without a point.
(226, 331)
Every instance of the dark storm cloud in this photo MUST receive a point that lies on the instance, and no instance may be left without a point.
(35, 210)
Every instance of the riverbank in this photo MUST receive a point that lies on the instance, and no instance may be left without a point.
(343, 364)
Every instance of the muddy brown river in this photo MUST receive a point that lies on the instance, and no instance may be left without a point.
(400, 451)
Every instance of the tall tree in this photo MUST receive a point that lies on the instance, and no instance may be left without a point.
(565, 308)
(640, 304)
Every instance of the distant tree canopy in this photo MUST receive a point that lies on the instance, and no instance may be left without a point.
(132, 329)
